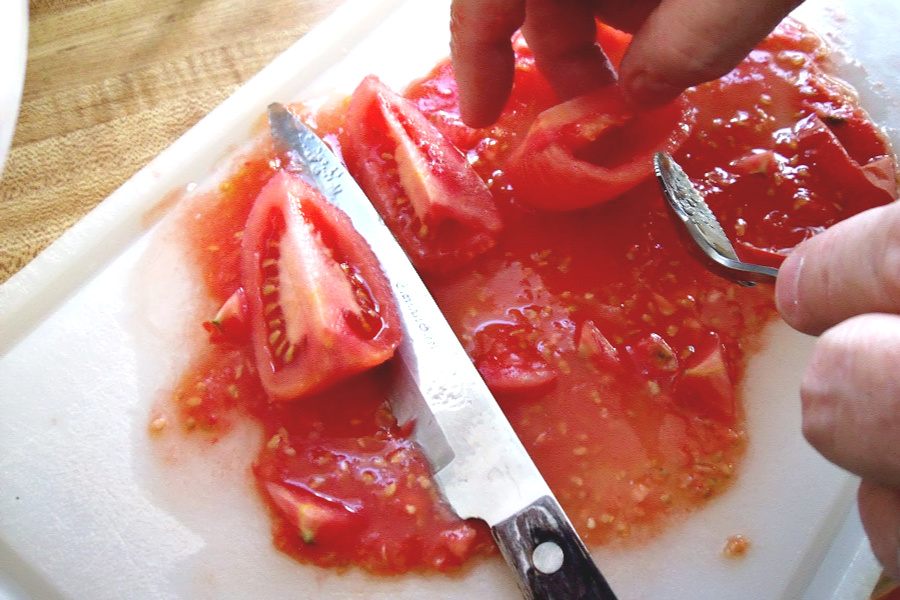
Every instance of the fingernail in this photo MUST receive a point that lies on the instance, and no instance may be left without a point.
(647, 90)
(787, 286)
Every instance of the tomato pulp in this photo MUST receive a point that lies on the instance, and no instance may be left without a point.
(617, 358)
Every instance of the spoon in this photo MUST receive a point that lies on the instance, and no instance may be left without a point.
(710, 243)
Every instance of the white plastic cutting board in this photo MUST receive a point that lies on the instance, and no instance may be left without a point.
(90, 336)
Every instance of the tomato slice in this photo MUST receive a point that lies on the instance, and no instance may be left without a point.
(320, 307)
(592, 148)
(440, 210)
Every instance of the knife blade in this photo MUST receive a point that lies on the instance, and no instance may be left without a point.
(479, 464)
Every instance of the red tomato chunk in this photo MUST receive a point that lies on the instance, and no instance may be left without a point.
(439, 209)
(320, 308)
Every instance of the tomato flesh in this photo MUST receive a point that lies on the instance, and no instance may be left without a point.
(592, 149)
(319, 305)
(441, 211)
(231, 323)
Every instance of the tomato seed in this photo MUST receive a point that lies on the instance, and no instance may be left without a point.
(158, 424)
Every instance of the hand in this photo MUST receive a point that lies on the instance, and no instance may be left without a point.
(676, 44)
(845, 285)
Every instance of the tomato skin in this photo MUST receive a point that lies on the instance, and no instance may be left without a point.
(320, 307)
(437, 206)
(592, 149)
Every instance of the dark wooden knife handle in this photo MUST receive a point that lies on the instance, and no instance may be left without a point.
(544, 527)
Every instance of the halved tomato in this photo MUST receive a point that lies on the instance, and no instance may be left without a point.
(320, 307)
(440, 210)
(593, 148)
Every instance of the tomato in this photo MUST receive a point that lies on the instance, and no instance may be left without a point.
(507, 361)
(653, 356)
(842, 153)
(705, 386)
(318, 518)
(780, 130)
(440, 210)
(593, 345)
(592, 149)
(230, 323)
(320, 308)
(614, 43)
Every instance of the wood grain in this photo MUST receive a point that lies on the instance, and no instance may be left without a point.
(110, 84)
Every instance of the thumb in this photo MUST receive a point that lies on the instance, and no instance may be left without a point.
(852, 268)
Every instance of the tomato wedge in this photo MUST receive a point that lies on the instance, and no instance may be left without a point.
(320, 307)
(440, 210)
(592, 149)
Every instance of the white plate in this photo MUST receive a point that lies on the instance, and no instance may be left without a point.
(89, 337)
(14, 50)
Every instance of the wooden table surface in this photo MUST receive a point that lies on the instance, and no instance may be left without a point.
(110, 84)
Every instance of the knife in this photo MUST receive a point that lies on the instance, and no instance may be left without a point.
(479, 464)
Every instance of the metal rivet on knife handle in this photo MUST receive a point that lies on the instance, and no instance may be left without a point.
(541, 544)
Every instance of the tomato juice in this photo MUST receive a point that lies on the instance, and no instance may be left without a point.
(616, 356)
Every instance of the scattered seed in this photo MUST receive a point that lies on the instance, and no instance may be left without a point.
(736, 546)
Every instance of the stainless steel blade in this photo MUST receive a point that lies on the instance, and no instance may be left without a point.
(480, 465)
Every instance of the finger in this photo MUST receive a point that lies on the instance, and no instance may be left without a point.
(563, 36)
(851, 397)
(852, 268)
(879, 510)
(687, 42)
(482, 56)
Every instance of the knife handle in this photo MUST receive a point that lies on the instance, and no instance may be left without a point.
(550, 560)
